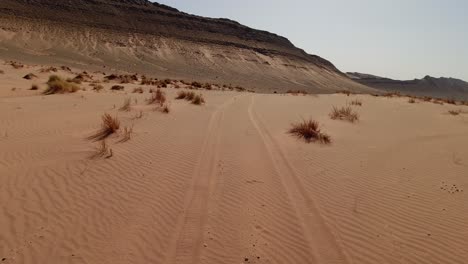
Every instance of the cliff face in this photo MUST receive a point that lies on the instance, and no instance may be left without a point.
(449, 88)
(137, 35)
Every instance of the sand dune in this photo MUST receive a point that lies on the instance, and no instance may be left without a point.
(224, 183)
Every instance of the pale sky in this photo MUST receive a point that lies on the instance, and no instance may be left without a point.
(400, 39)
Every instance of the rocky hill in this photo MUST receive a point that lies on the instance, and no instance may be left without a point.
(146, 37)
(448, 88)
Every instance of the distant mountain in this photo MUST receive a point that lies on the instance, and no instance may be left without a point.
(141, 36)
(448, 88)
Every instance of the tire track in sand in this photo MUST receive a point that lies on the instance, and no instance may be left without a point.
(322, 241)
(186, 244)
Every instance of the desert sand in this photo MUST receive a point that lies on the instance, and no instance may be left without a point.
(224, 182)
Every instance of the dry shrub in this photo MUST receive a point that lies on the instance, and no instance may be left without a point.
(34, 87)
(427, 98)
(296, 92)
(181, 95)
(117, 88)
(196, 84)
(393, 94)
(48, 70)
(158, 97)
(165, 109)
(346, 92)
(65, 68)
(411, 101)
(109, 126)
(126, 105)
(30, 76)
(356, 102)
(102, 150)
(344, 113)
(189, 96)
(455, 112)
(98, 87)
(198, 99)
(138, 90)
(127, 134)
(207, 86)
(450, 101)
(16, 65)
(57, 85)
(240, 89)
(309, 130)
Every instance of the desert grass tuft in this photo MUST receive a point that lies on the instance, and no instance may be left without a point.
(138, 90)
(309, 131)
(165, 109)
(126, 105)
(34, 87)
(117, 88)
(198, 99)
(102, 151)
(181, 95)
(411, 101)
(127, 134)
(109, 126)
(344, 113)
(356, 102)
(158, 97)
(454, 112)
(98, 88)
(57, 85)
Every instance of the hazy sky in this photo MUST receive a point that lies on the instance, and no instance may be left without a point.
(402, 39)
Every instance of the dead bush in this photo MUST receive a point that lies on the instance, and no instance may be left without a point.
(158, 97)
(109, 126)
(126, 105)
(57, 85)
(356, 102)
(344, 113)
(198, 99)
(117, 88)
(309, 131)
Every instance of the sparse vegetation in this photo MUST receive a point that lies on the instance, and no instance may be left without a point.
(126, 105)
(16, 65)
(57, 85)
(346, 92)
(34, 87)
(198, 99)
(98, 87)
(356, 102)
(296, 92)
(165, 109)
(138, 90)
(109, 126)
(309, 131)
(196, 84)
(102, 150)
(344, 113)
(158, 97)
(454, 112)
(411, 101)
(127, 134)
(117, 88)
